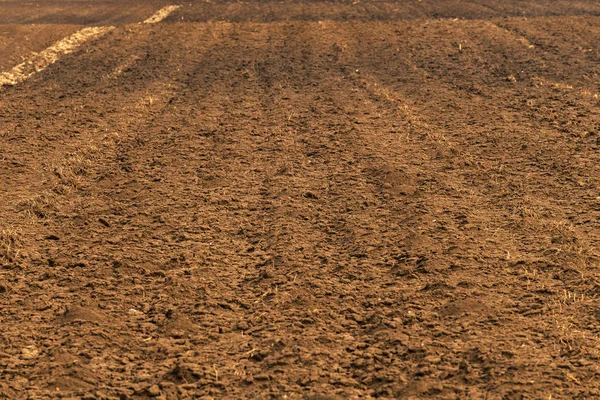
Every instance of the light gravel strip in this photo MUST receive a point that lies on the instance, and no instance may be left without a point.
(161, 14)
(40, 61)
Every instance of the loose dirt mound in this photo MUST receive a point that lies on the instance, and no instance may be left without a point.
(307, 208)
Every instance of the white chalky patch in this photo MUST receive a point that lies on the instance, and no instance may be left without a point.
(161, 14)
(40, 61)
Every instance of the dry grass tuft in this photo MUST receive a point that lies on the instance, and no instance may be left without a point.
(10, 244)
(39, 206)
(71, 170)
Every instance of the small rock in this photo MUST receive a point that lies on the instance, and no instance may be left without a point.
(262, 377)
(30, 352)
(19, 382)
(153, 391)
(241, 326)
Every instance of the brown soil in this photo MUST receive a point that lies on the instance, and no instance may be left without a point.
(313, 200)
(17, 42)
(79, 12)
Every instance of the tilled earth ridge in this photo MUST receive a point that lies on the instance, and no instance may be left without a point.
(76, 12)
(318, 208)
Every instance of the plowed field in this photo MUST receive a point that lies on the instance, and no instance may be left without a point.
(320, 200)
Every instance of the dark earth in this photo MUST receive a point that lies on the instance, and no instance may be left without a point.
(302, 200)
